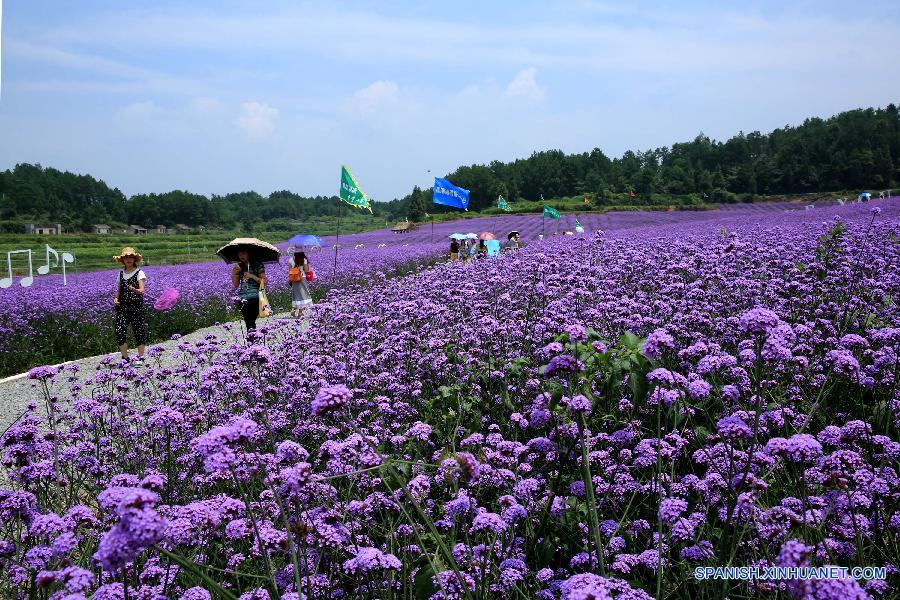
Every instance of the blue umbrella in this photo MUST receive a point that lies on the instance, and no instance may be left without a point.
(305, 239)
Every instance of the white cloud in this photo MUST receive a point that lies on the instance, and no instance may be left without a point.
(525, 84)
(120, 77)
(257, 120)
(378, 95)
(385, 107)
(74, 60)
(654, 40)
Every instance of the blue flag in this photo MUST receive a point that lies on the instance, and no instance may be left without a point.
(450, 195)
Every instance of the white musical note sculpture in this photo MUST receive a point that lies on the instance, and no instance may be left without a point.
(66, 258)
(25, 281)
(44, 269)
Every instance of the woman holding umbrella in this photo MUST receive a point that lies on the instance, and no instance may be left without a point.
(248, 275)
(454, 245)
(471, 247)
(481, 250)
(298, 276)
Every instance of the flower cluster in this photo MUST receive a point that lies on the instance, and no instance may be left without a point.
(330, 399)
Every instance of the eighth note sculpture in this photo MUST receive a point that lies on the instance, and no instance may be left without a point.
(26, 281)
(66, 258)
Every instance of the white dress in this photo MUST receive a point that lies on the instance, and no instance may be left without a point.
(300, 295)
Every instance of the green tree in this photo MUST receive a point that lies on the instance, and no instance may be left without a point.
(417, 205)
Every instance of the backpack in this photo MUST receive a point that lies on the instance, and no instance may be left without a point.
(295, 275)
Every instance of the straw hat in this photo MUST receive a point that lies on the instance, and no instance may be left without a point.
(129, 251)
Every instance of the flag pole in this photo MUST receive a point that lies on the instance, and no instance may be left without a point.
(432, 229)
(337, 239)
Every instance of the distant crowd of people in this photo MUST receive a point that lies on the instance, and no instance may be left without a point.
(467, 249)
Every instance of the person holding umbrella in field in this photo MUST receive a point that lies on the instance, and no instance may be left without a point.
(481, 250)
(471, 247)
(456, 246)
(248, 275)
(299, 274)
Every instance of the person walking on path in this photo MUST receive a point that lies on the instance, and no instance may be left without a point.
(248, 277)
(454, 249)
(129, 302)
(297, 277)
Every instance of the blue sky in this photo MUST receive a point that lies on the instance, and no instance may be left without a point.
(216, 96)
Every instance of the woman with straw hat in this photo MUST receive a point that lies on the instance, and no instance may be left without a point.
(129, 302)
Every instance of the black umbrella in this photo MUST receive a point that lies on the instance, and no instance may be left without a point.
(259, 250)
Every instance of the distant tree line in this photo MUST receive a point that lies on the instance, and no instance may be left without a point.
(853, 150)
(31, 193)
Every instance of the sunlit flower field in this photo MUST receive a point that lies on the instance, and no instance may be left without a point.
(589, 417)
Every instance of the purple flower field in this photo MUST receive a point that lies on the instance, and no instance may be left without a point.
(589, 417)
(48, 323)
(529, 225)
(52, 322)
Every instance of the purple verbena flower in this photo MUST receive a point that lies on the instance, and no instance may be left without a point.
(368, 560)
(331, 398)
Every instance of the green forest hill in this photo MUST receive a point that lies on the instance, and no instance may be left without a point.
(854, 150)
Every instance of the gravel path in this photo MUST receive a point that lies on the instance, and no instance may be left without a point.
(17, 391)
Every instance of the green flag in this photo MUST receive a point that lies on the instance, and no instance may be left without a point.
(550, 212)
(350, 192)
(501, 203)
